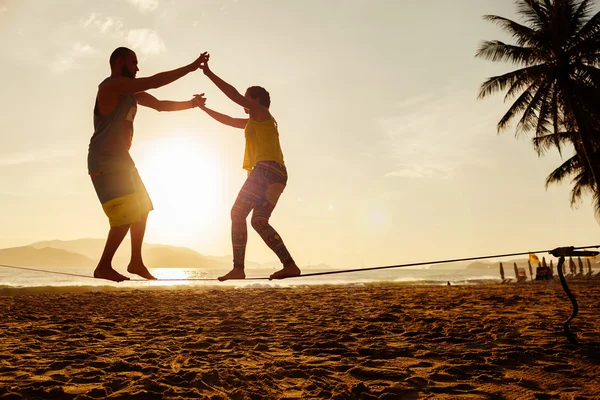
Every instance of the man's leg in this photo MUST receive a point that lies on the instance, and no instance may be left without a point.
(138, 230)
(112, 190)
(136, 265)
(104, 270)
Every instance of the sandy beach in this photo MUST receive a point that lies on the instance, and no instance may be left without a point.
(365, 342)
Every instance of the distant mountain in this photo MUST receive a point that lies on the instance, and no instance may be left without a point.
(482, 265)
(155, 255)
(487, 264)
(87, 252)
(455, 265)
(29, 256)
(178, 257)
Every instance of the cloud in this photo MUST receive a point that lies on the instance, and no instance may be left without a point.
(145, 5)
(145, 41)
(415, 101)
(104, 25)
(36, 156)
(142, 41)
(421, 171)
(448, 129)
(68, 60)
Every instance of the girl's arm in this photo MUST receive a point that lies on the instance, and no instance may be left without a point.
(222, 118)
(232, 92)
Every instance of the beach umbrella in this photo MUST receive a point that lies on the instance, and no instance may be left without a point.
(572, 266)
(580, 265)
(502, 271)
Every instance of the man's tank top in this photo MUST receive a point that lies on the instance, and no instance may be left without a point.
(109, 146)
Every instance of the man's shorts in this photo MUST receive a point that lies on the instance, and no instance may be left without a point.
(123, 196)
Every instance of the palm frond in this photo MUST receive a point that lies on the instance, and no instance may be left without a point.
(531, 113)
(596, 203)
(495, 50)
(587, 77)
(524, 35)
(546, 142)
(581, 186)
(556, 120)
(525, 78)
(589, 54)
(568, 168)
(519, 105)
(544, 117)
(514, 81)
(586, 27)
(533, 13)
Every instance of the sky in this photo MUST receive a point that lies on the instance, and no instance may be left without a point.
(391, 157)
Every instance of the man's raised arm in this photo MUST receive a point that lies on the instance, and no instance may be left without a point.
(123, 85)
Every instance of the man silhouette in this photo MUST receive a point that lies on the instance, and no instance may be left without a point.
(116, 180)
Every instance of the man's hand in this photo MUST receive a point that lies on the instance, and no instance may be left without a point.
(199, 100)
(200, 60)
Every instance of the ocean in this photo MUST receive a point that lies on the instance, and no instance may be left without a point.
(27, 281)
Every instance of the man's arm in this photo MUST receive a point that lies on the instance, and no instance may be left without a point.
(122, 85)
(147, 100)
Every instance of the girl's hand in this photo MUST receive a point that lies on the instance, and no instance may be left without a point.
(199, 100)
(204, 65)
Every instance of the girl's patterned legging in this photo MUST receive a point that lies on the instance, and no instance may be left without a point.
(259, 194)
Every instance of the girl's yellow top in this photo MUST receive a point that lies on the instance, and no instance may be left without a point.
(262, 143)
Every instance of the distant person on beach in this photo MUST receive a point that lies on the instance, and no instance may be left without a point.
(543, 273)
(267, 174)
(116, 180)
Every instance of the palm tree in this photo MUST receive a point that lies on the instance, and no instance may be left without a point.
(556, 85)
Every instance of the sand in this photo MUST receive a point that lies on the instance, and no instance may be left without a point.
(364, 342)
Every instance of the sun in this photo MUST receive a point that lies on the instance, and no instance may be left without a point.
(184, 177)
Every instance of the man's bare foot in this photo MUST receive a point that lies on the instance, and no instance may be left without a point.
(109, 274)
(235, 273)
(286, 272)
(141, 270)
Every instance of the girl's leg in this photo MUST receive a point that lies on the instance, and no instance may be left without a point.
(260, 222)
(276, 177)
(249, 196)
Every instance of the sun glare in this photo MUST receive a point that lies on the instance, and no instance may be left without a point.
(184, 180)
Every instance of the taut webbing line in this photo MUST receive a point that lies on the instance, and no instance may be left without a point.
(45, 270)
(439, 262)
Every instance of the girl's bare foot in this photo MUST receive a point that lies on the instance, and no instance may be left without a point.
(289, 271)
(141, 270)
(110, 274)
(235, 273)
